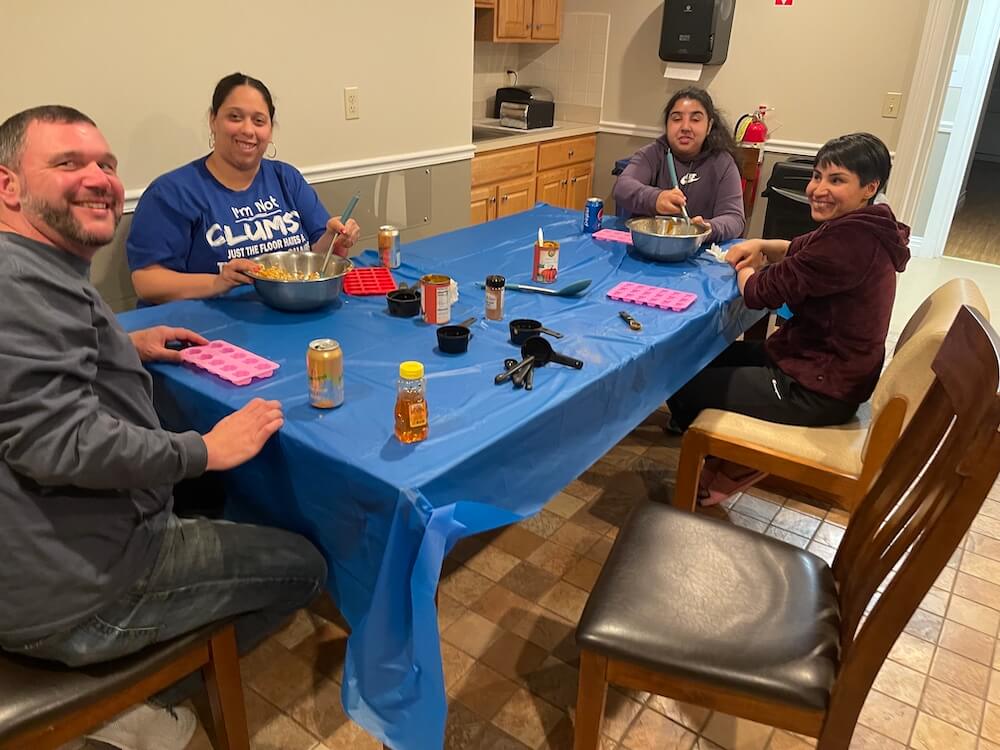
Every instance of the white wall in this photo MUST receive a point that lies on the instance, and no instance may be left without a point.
(145, 72)
(824, 66)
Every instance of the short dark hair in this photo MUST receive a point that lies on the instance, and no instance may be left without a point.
(720, 137)
(225, 87)
(862, 153)
(13, 129)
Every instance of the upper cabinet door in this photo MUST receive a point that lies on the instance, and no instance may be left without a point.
(513, 19)
(546, 20)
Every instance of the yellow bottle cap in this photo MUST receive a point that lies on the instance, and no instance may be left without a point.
(411, 370)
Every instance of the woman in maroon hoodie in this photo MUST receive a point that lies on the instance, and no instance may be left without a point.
(839, 281)
(702, 148)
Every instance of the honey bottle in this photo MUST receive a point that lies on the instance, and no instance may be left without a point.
(411, 403)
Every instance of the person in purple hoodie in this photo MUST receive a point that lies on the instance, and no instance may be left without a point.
(839, 281)
(703, 151)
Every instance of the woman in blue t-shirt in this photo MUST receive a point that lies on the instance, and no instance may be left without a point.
(196, 228)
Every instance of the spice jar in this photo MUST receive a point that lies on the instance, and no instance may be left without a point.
(411, 403)
(494, 297)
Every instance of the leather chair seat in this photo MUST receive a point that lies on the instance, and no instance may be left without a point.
(695, 597)
(838, 449)
(36, 691)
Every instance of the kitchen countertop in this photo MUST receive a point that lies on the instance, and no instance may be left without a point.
(488, 136)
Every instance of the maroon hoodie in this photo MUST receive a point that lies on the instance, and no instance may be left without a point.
(840, 281)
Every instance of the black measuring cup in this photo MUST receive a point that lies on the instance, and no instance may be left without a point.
(543, 353)
(454, 339)
(524, 328)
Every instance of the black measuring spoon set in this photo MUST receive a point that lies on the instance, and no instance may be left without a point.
(535, 352)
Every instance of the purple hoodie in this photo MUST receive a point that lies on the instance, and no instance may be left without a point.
(716, 194)
(840, 281)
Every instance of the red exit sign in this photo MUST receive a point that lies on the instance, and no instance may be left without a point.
(782, 2)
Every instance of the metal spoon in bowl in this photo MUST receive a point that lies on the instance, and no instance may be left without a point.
(673, 177)
(343, 219)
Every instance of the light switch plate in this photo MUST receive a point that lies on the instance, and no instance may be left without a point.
(891, 104)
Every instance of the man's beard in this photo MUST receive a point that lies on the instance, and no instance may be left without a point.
(61, 220)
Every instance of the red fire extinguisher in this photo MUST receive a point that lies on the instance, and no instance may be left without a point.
(752, 128)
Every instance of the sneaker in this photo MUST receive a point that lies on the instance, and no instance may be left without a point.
(146, 727)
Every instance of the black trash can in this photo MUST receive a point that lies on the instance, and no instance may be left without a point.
(788, 214)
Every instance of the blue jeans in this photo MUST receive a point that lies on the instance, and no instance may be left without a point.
(206, 570)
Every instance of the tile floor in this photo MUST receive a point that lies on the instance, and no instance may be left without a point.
(509, 601)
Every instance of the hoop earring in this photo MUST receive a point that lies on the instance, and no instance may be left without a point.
(211, 141)
(271, 156)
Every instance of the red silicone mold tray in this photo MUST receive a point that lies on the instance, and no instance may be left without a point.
(652, 296)
(229, 362)
(366, 281)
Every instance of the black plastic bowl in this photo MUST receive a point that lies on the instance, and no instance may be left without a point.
(453, 339)
(403, 303)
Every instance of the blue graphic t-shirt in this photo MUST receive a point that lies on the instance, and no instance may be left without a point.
(188, 221)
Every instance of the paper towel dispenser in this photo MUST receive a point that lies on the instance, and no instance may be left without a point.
(696, 31)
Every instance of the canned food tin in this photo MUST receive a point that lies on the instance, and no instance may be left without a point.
(593, 215)
(435, 298)
(325, 366)
(388, 246)
(546, 263)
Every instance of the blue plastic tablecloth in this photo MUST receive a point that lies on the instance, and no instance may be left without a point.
(385, 514)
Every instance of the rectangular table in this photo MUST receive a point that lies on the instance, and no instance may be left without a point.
(386, 514)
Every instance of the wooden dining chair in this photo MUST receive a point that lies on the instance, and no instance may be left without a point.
(840, 461)
(707, 612)
(44, 705)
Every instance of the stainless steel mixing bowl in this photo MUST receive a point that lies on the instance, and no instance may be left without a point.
(667, 239)
(299, 295)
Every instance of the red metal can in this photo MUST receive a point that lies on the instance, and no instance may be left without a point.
(546, 263)
(435, 298)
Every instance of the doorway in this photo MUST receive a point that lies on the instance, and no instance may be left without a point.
(965, 97)
(975, 230)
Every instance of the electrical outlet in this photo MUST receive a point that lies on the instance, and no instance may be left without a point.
(891, 103)
(352, 103)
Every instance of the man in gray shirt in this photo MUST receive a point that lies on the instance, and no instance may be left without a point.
(96, 565)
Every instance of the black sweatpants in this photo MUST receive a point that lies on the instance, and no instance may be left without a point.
(742, 379)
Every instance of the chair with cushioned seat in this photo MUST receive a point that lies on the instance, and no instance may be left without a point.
(706, 612)
(841, 461)
(44, 704)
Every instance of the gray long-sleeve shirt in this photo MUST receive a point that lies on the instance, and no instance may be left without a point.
(710, 183)
(86, 472)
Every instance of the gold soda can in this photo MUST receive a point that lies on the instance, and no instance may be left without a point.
(325, 366)
(388, 246)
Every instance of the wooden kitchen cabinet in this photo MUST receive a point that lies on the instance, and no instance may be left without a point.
(581, 185)
(566, 171)
(559, 172)
(568, 188)
(503, 199)
(518, 20)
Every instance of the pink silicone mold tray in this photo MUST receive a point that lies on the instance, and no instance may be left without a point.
(652, 296)
(366, 281)
(229, 362)
(614, 235)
